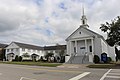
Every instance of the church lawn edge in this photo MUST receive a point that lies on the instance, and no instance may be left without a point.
(34, 63)
(106, 66)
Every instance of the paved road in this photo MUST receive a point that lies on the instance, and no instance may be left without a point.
(22, 72)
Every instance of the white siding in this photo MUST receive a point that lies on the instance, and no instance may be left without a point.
(13, 47)
(38, 52)
(97, 46)
(104, 47)
(111, 51)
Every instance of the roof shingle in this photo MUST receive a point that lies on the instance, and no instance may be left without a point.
(3, 45)
(29, 46)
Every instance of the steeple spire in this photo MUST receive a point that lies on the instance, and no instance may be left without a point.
(84, 19)
(83, 10)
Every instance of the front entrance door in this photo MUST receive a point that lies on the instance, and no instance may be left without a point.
(82, 50)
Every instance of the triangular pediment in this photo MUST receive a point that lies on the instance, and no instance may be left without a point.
(12, 45)
(82, 32)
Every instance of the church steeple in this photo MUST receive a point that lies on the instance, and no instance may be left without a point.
(84, 19)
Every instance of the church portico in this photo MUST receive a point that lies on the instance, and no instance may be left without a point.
(82, 47)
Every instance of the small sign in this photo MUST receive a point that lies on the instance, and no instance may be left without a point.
(104, 57)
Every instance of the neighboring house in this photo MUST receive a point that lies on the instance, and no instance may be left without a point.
(2, 51)
(84, 43)
(30, 52)
(26, 51)
(56, 50)
(59, 52)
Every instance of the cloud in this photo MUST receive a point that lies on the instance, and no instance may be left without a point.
(44, 22)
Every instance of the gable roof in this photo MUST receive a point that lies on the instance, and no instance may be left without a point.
(82, 26)
(57, 47)
(3, 45)
(29, 46)
(97, 34)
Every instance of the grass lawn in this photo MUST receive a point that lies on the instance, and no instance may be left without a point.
(101, 66)
(34, 63)
(114, 65)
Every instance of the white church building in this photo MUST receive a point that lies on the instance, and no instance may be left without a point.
(84, 43)
(27, 51)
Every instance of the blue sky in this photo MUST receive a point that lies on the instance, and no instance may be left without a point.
(47, 22)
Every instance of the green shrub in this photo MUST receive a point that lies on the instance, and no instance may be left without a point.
(26, 55)
(16, 58)
(49, 55)
(43, 59)
(20, 58)
(109, 59)
(96, 59)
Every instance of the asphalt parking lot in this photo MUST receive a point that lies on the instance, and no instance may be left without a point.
(23, 72)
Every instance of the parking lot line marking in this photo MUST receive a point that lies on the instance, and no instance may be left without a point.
(102, 78)
(26, 78)
(113, 77)
(80, 76)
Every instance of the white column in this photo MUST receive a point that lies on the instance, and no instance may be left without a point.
(91, 55)
(92, 46)
(76, 45)
(70, 48)
(86, 45)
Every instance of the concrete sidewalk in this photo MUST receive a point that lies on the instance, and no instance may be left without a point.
(73, 66)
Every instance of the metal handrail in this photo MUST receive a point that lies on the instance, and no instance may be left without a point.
(84, 57)
(72, 57)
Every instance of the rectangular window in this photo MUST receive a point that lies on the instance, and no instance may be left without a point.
(29, 50)
(17, 49)
(33, 50)
(82, 47)
(90, 48)
(7, 50)
(23, 49)
(74, 49)
(11, 50)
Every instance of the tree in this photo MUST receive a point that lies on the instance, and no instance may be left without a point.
(62, 53)
(113, 31)
(49, 55)
(62, 56)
